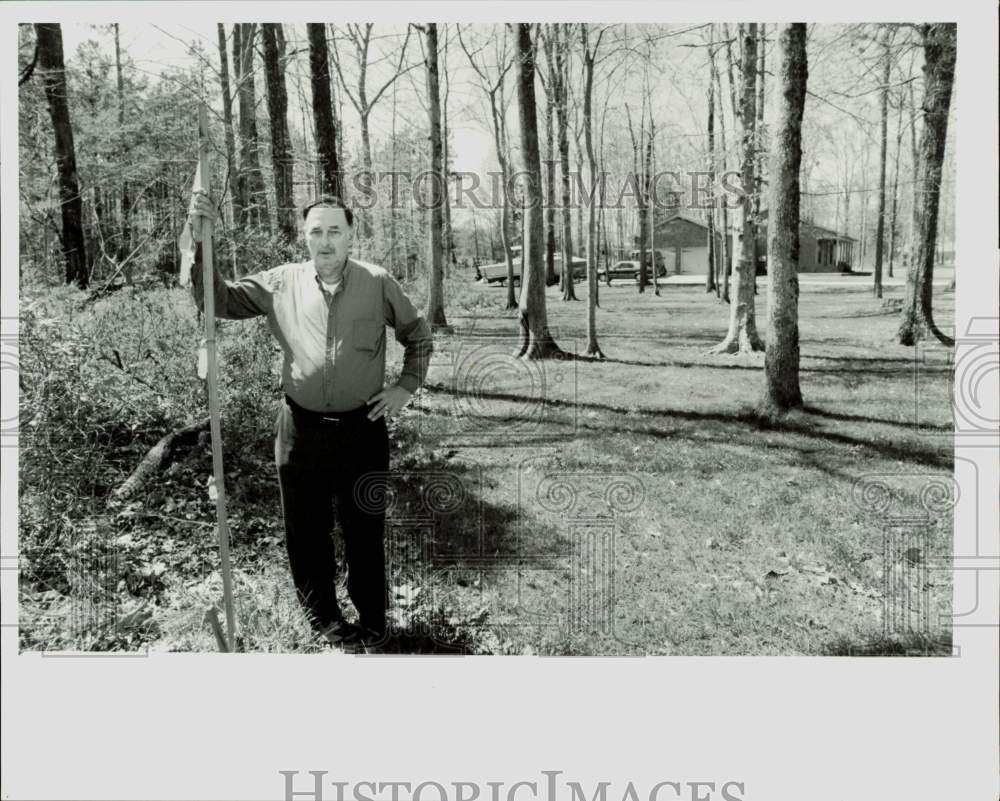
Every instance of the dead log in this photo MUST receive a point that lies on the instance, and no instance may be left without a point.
(158, 456)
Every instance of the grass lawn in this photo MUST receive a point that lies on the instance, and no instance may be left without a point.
(635, 505)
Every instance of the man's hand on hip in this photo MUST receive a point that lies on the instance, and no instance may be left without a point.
(388, 402)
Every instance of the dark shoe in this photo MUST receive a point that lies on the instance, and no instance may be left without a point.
(363, 641)
(338, 633)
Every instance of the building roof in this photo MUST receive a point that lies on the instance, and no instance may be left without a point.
(681, 214)
(817, 229)
(829, 232)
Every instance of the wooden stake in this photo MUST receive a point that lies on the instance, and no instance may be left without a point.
(215, 425)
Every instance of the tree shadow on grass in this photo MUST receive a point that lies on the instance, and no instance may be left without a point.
(747, 418)
(710, 365)
(450, 544)
(815, 410)
(858, 358)
(913, 644)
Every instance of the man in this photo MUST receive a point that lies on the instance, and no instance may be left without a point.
(329, 315)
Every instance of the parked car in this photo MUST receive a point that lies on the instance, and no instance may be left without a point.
(628, 270)
(661, 267)
(497, 272)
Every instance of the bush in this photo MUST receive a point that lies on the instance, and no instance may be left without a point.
(101, 382)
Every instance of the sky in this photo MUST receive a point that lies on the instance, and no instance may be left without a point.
(840, 110)
(154, 47)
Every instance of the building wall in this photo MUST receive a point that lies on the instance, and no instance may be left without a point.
(808, 251)
(684, 245)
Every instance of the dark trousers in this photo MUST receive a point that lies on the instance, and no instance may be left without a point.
(320, 461)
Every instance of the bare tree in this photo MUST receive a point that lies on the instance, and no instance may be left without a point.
(124, 238)
(893, 220)
(641, 180)
(759, 147)
(227, 118)
(331, 178)
(883, 146)
(435, 295)
(559, 72)
(360, 38)
(710, 283)
(939, 42)
(449, 233)
(742, 336)
(253, 195)
(726, 254)
(52, 70)
(493, 87)
(651, 201)
(589, 58)
(536, 341)
(281, 143)
(550, 164)
(781, 361)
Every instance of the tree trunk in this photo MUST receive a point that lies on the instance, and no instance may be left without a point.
(507, 216)
(883, 154)
(392, 201)
(550, 191)
(639, 177)
(759, 169)
(125, 226)
(893, 223)
(253, 195)
(710, 284)
(331, 179)
(536, 341)
(914, 170)
(281, 144)
(742, 336)
(449, 235)
(158, 456)
(227, 117)
(647, 211)
(651, 202)
(593, 348)
(781, 360)
(53, 72)
(939, 71)
(726, 254)
(734, 108)
(365, 223)
(562, 120)
(864, 210)
(580, 233)
(435, 298)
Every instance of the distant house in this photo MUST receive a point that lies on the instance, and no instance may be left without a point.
(682, 239)
(821, 249)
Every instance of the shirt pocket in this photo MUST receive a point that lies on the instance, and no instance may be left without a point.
(366, 336)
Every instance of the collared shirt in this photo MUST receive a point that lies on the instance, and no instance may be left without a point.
(333, 344)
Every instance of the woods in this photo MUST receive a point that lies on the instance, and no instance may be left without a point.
(753, 215)
(276, 159)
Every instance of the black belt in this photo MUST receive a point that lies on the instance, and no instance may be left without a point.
(332, 418)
